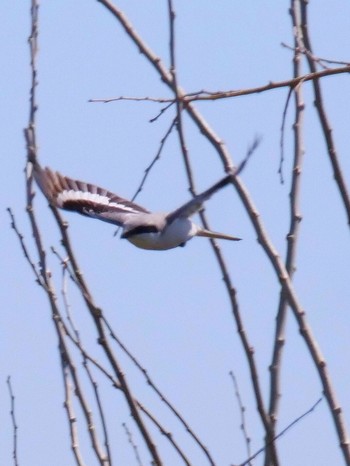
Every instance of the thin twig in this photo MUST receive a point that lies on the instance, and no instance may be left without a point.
(154, 160)
(161, 112)
(284, 117)
(149, 168)
(106, 460)
(96, 315)
(14, 423)
(133, 99)
(319, 60)
(322, 115)
(292, 236)
(20, 237)
(263, 238)
(168, 78)
(133, 444)
(32, 157)
(166, 434)
(72, 420)
(289, 426)
(216, 95)
(206, 95)
(242, 410)
(160, 394)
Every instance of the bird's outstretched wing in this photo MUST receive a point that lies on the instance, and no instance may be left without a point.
(84, 198)
(192, 206)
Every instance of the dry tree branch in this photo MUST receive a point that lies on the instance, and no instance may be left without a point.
(30, 136)
(273, 256)
(242, 410)
(325, 125)
(149, 167)
(205, 95)
(289, 426)
(154, 160)
(94, 311)
(292, 236)
(133, 99)
(86, 357)
(108, 459)
(96, 315)
(320, 60)
(217, 251)
(160, 394)
(284, 117)
(72, 420)
(25, 249)
(166, 434)
(103, 460)
(216, 95)
(249, 352)
(177, 95)
(14, 423)
(133, 444)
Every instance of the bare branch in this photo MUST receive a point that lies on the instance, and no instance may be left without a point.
(160, 394)
(133, 444)
(325, 125)
(133, 99)
(25, 249)
(166, 434)
(242, 410)
(314, 76)
(293, 423)
(14, 423)
(292, 236)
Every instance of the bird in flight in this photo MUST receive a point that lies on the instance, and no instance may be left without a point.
(144, 229)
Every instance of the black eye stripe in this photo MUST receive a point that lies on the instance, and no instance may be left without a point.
(139, 230)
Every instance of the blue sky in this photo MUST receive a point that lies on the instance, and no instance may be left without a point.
(171, 308)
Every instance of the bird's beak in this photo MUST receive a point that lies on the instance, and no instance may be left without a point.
(214, 234)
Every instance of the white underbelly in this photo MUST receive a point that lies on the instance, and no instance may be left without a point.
(177, 233)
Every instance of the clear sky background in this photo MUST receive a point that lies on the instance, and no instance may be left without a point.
(171, 308)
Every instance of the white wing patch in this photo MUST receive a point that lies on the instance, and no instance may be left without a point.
(72, 195)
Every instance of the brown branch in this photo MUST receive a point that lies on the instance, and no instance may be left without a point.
(107, 461)
(217, 251)
(242, 410)
(205, 95)
(325, 125)
(133, 444)
(284, 117)
(133, 99)
(104, 460)
(94, 311)
(160, 394)
(293, 423)
(292, 236)
(14, 423)
(25, 249)
(313, 76)
(96, 315)
(168, 78)
(72, 420)
(320, 60)
(154, 160)
(277, 264)
(166, 434)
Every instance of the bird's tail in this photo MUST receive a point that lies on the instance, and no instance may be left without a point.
(214, 234)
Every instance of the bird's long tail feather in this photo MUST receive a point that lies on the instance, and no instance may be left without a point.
(216, 235)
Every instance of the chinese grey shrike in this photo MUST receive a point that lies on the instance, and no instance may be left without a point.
(144, 229)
